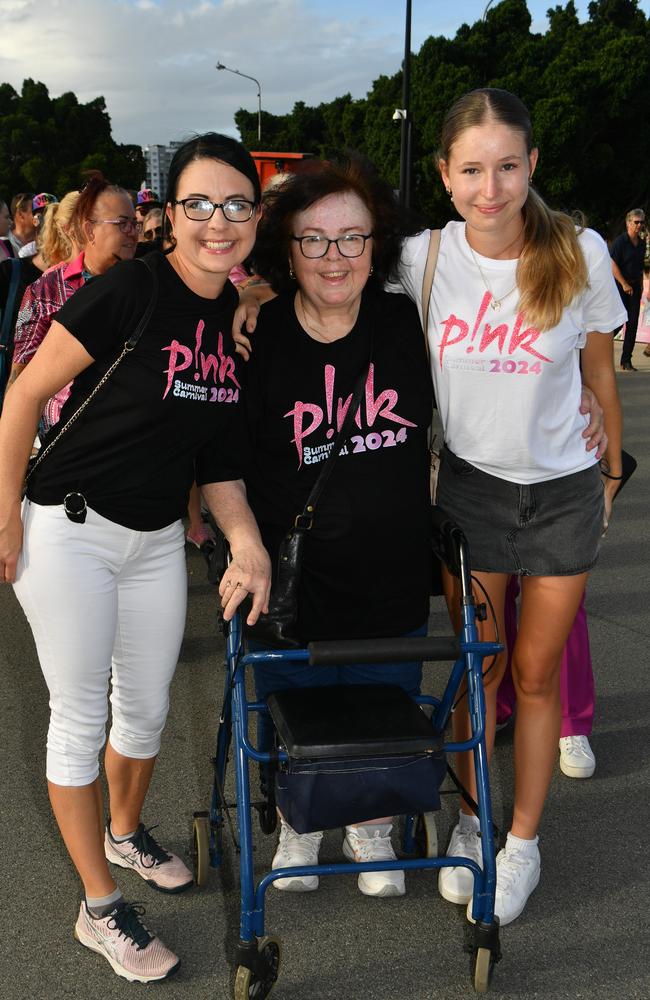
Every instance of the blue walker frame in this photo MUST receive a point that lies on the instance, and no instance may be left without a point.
(233, 730)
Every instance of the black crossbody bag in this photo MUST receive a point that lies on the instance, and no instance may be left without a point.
(278, 627)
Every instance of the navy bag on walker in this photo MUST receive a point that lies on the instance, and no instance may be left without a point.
(355, 753)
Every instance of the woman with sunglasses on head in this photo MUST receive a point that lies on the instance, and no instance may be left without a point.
(102, 519)
(522, 300)
(101, 229)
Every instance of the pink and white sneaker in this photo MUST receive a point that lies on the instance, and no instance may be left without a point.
(131, 949)
(144, 855)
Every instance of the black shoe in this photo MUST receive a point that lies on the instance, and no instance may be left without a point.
(627, 366)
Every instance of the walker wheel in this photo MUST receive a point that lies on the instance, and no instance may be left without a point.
(201, 848)
(426, 835)
(251, 985)
(483, 968)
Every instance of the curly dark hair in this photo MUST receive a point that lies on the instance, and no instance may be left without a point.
(390, 223)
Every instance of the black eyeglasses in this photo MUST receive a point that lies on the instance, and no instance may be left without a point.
(637, 222)
(152, 234)
(202, 209)
(350, 245)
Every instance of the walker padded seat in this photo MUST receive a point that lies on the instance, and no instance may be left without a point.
(362, 720)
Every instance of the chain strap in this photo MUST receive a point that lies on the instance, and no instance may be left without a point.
(128, 347)
(41, 455)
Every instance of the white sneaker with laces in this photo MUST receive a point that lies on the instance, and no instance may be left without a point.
(577, 759)
(518, 872)
(456, 885)
(295, 849)
(373, 843)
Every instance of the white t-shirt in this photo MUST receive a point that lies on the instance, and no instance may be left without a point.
(508, 395)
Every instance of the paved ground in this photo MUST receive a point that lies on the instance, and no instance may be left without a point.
(583, 935)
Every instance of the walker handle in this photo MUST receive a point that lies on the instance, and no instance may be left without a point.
(342, 651)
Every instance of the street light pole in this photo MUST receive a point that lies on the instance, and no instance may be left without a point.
(405, 117)
(259, 96)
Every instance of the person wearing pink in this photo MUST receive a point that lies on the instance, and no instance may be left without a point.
(103, 223)
(577, 691)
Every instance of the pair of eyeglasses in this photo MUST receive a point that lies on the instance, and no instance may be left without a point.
(637, 222)
(202, 209)
(350, 245)
(152, 234)
(124, 224)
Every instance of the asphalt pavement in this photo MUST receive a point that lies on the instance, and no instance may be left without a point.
(584, 933)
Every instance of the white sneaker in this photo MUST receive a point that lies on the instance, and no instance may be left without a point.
(517, 876)
(373, 843)
(577, 759)
(295, 849)
(456, 885)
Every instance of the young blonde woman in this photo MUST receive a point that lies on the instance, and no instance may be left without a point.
(522, 301)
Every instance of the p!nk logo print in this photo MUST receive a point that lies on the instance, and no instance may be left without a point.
(217, 369)
(308, 418)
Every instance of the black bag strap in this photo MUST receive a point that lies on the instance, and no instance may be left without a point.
(7, 316)
(152, 267)
(305, 520)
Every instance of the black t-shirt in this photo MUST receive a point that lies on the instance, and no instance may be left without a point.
(367, 566)
(629, 257)
(172, 402)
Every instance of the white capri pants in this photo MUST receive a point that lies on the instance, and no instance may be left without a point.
(107, 607)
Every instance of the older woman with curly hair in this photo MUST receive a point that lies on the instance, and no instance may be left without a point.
(326, 242)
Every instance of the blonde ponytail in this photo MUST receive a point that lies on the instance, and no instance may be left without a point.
(551, 271)
(54, 243)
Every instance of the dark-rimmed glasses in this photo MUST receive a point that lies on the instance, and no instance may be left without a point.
(202, 209)
(124, 224)
(350, 245)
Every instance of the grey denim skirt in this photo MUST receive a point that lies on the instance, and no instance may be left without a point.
(546, 529)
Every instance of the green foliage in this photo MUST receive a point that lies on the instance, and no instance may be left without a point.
(47, 143)
(586, 86)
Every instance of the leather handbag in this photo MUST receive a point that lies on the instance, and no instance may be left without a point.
(278, 627)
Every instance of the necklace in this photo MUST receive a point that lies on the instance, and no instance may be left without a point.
(309, 325)
(496, 302)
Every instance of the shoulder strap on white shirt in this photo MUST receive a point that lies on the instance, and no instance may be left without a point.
(427, 282)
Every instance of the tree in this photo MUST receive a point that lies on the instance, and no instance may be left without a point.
(586, 87)
(46, 143)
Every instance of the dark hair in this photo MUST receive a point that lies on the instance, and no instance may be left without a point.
(209, 146)
(83, 210)
(212, 146)
(319, 180)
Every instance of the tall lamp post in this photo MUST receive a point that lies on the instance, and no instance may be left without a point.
(403, 116)
(259, 95)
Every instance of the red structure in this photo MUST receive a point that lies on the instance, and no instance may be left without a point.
(269, 164)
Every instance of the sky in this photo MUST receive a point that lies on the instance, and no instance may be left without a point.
(154, 60)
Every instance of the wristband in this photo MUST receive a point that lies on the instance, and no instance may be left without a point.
(608, 475)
